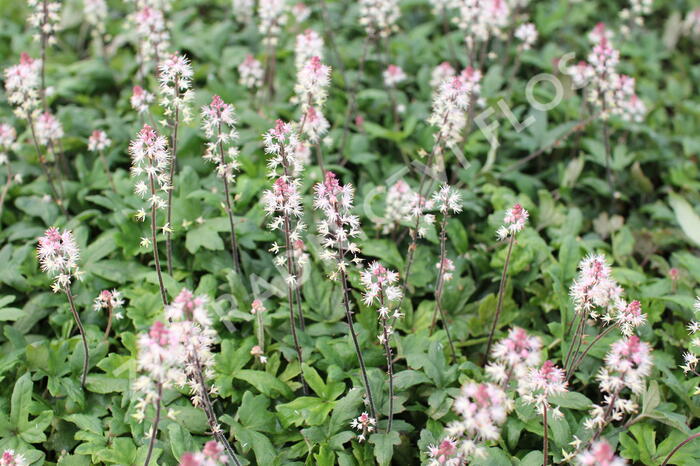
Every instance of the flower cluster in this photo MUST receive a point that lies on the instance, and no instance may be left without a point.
(527, 33)
(627, 365)
(152, 35)
(191, 321)
(483, 409)
(150, 157)
(140, 99)
(10, 458)
(690, 357)
(444, 453)
(691, 24)
(380, 286)
(300, 12)
(400, 204)
(441, 73)
(48, 129)
(595, 290)
(513, 222)
(481, 19)
(308, 44)
(251, 72)
(160, 362)
(514, 356)
(364, 424)
(339, 226)
(539, 385)
(44, 18)
(95, 12)
(634, 15)
(98, 141)
(393, 75)
(176, 86)
(58, 255)
(243, 10)
(219, 125)
(312, 83)
(447, 266)
(449, 107)
(447, 200)
(612, 92)
(599, 454)
(379, 17)
(110, 300)
(22, 83)
(272, 14)
(8, 138)
(281, 145)
(211, 455)
(283, 201)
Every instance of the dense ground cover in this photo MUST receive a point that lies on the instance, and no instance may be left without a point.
(427, 232)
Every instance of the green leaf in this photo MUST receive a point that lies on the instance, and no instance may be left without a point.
(572, 400)
(686, 217)
(203, 236)
(265, 383)
(384, 446)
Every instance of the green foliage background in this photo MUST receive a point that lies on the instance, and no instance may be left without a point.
(650, 225)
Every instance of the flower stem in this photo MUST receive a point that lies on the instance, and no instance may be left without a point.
(209, 410)
(578, 360)
(154, 427)
(109, 322)
(76, 316)
(501, 293)
(171, 183)
(229, 210)
(439, 287)
(154, 240)
(545, 442)
(290, 297)
(679, 446)
(358, 351)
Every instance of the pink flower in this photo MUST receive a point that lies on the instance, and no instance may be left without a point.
(443, 452)
(312, 83)
(211, 455)
(140, 99)
(48, 128)
(379, 17)
(308, 44)
(58, 255)
(10, 458)
(98, 141)
(443, 72)
(514, 356)
(527, 33)
(540, 384)
(393, 75)
(219, 125)
(8, 136)
(513, 222)
(251, 72)
(364, 424)
(152, 34)
(301, 12)
(109, 300)
(150, 157)
(339, 226)
(315, 124)
(483, 408)
(379, 284)
(600, 454)
(22, 83)
(595, 290)
(626, 365)
(449, 107)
